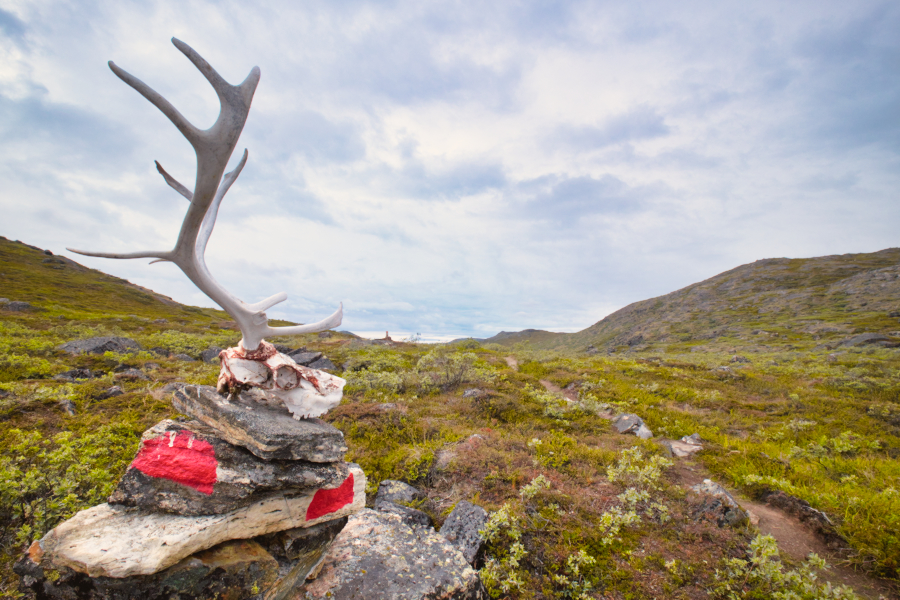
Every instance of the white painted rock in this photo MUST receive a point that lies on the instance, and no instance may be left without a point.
(113, 541)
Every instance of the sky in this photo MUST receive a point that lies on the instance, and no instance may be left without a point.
(459, 168)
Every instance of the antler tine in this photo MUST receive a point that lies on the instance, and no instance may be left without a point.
(183, 125)
(173, 183)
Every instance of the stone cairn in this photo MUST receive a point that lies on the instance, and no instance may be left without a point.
(239, 501)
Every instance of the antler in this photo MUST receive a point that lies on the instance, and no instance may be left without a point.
(213, 148)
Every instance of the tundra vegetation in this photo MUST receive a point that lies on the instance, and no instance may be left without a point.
(578, 510)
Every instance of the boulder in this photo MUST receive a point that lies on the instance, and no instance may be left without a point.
(377, 555)
(184, 357)
(211, 354)
(234, 570)
(99, 345)
(411, 516)
(322, 364)
(718, 505)
(116, 541)
(187, 469)
(461, 529)
(398, 492)
(302, 357)
(630, 423)
(869, 338)
(18, 306)
(267, 431)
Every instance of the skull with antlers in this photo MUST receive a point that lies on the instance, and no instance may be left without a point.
(253, 362)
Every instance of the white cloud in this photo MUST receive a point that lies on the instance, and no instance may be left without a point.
(451, 169)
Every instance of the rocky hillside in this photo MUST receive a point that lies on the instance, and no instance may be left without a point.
(775, 302)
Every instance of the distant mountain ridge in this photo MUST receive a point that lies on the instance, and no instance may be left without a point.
(775, 300)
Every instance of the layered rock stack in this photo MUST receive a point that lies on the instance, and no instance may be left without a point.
(240, 501)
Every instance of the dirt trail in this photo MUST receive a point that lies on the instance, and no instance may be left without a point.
(795, 540)
(512, 362)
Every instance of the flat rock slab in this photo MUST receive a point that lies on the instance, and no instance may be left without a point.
(411, 516)
(269, 432)
(186, 469)
(461, 529)
(378, 556)
(115, 541)
(235, 570)
(99, 345)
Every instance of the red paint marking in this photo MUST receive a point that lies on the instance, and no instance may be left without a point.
(184, 459)
(329, 501)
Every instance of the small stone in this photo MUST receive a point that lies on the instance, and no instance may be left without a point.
(110, 392)
(160, 351)
(68, 406)
(269, 432)
(184, 357)
(160, 321)
(739, 359)
(398, 492)
(114, 541)
(325, 334)
(473, 393)
(461, 529)
(131, 375)
(720, 506)
(75, 374)
(377, 555)
(186, 469)
(631, 423)
(411, 516)
(99, 345)
(211, 354)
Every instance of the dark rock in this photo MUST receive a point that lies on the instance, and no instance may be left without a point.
(186, 469)
(398, 492)
(378, 556)
(868, 338)
(99, 345)
(894, 313)
(634, 341)
(325, 334)
(718, 505)
(184, 357)
(301, 357)
(151, 366)
(160, 351)
(131, 375)
(17, 306)
(110, 392)
(411, 516)
(298, 552)
(159, 321)
(283, 349)
(461, 529)
(630, 423)
(211, 354)
(268, 432)
(322, 364)
(234, 570)
(816, 519)
(739, 359)
(74, 374)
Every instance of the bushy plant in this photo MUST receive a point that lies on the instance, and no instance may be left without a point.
(763, 576)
